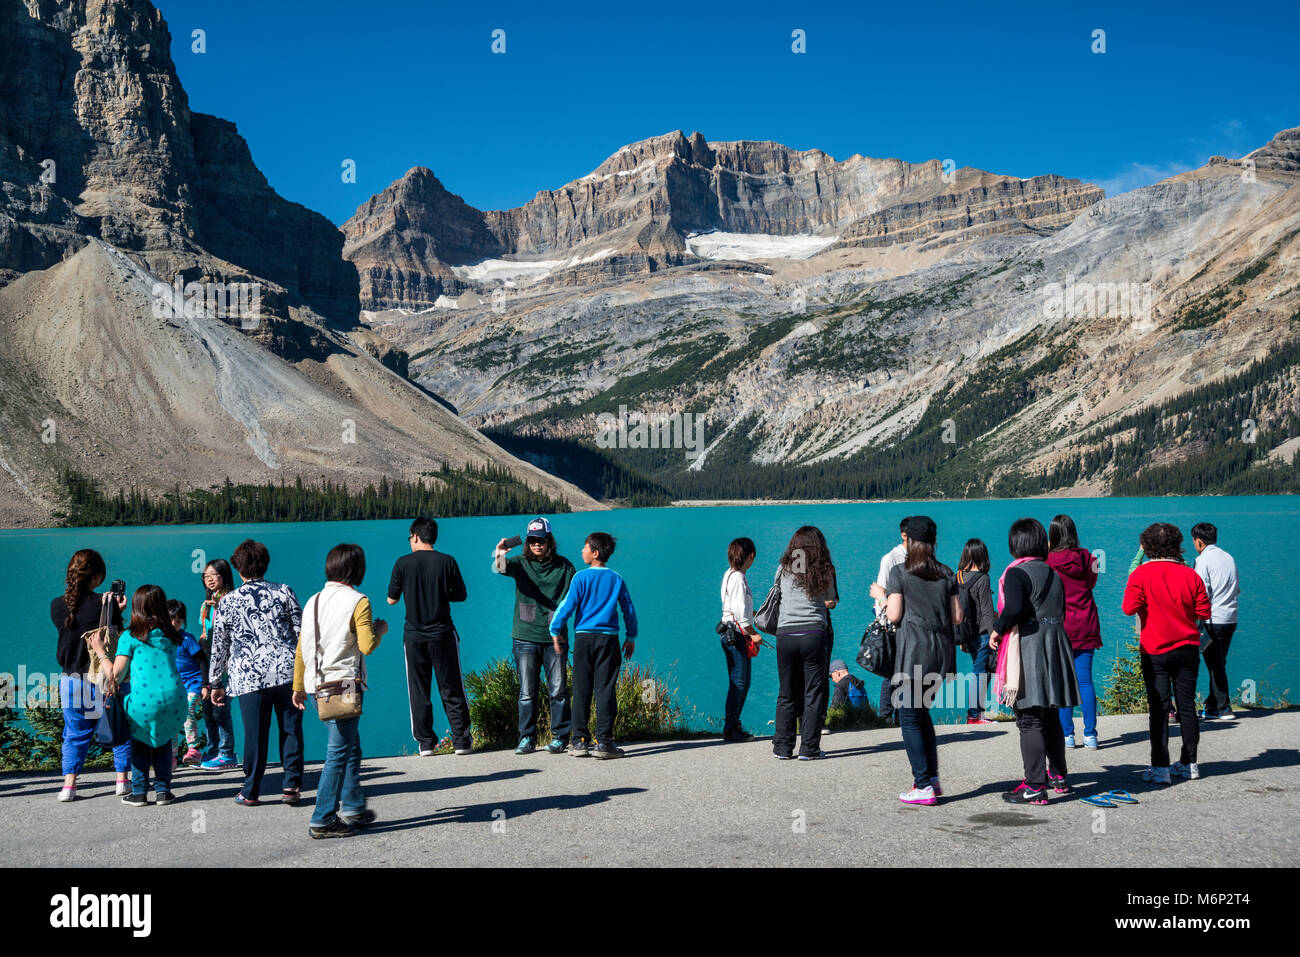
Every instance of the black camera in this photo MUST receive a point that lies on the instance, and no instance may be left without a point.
(118, 588)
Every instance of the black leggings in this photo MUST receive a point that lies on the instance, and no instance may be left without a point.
(1172, 675)
(1042, 744)
(801, 696)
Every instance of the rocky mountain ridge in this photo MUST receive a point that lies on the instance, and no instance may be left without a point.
(114, 199)
(637, 212)
(1034, 343)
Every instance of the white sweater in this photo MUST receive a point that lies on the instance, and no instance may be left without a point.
(340, 657)
(737, 599)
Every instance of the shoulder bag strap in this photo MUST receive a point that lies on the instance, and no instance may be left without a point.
(315, 611)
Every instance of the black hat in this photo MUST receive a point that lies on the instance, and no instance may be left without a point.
(921, 528)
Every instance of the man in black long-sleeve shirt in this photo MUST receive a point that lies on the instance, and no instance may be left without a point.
(428, 581)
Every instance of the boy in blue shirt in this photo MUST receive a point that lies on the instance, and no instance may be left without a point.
(192, 666)
(592, 599)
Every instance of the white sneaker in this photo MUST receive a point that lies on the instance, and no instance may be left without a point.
(123, 787)
(1069, 741)
(68, 794)
(918, 796)
(1156, 775)
(1190, 771)
(426, 752)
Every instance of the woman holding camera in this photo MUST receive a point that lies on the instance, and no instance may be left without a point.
(74, 613)
(737, 630)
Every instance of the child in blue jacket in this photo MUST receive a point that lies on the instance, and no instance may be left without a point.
(593, 598)
(192, 665)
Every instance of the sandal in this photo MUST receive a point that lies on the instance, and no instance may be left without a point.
(1123, 797)
(1098, 800)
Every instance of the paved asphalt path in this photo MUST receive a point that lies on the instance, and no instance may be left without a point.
(704, 803)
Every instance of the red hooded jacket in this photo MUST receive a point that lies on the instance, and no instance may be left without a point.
(1082, 625)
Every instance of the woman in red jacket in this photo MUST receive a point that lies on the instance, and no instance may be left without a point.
(1082, 625)
(1168, 598)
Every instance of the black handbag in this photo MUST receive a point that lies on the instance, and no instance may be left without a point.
(769, 613)
(879, 643)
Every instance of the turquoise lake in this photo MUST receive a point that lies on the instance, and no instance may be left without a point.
(673, 560)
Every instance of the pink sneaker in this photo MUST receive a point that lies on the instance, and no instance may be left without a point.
(919, 796)
(1058, 783)
(192, 758)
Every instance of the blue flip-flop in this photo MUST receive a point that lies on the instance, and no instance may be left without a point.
(1123, 797)
(1098, 800)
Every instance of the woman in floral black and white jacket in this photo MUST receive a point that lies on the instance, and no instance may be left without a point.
(254, 636)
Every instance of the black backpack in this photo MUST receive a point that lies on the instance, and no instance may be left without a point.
(967, 634)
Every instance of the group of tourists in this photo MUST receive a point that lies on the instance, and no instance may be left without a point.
(260, 647)
(1036, 640)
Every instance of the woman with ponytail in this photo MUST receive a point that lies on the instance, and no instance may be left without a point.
(79, 610)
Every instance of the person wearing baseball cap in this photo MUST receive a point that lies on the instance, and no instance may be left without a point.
(541, 576)
(849, 689)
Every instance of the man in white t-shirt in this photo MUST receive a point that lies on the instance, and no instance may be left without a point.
(895, 556)
(1219, 573)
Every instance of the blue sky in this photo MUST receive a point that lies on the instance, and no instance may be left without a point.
(1012, 88)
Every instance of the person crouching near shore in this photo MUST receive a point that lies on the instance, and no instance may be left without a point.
(1168, 598)
(337, 634)
(593, 599)
(1039, 679)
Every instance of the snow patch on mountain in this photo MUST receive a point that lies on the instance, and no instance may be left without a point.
(741, 246)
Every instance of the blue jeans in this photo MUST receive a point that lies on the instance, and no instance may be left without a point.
(219, 724)
(738, 668)
(920, 744)
(142, 755)
(980, 668)
(530, 658)
(339, 787)
(1087, 696)
(81, 711)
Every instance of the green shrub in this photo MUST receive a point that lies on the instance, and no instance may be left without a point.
(36, 743)
(853, 717)
(1127, 691)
